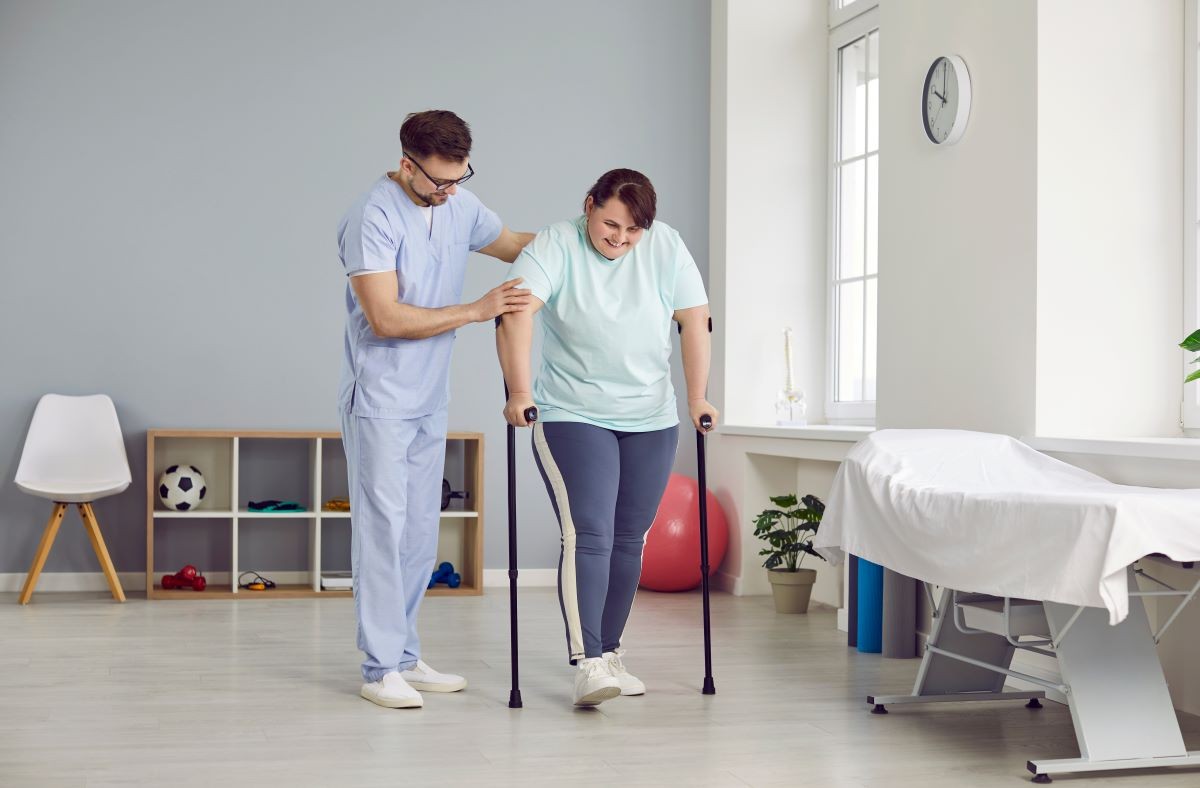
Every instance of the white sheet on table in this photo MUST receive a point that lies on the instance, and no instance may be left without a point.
(986, 513)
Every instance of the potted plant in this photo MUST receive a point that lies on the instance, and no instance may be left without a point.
(1192, 344)
(789, 531)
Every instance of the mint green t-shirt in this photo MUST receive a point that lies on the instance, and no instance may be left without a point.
(606, 350)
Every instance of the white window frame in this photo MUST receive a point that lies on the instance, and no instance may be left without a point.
(1190, 410)
(846, 25)
(840, 16)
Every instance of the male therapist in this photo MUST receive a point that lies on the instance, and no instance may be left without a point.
(404, 245)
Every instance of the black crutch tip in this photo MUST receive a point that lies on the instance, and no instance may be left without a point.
(709, 688)
(514, 699)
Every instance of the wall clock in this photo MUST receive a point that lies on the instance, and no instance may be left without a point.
(946, 100)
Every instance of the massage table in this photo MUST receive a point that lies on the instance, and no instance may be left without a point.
(1030, 554)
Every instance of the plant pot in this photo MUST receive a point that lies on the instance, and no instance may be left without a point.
(792, 590)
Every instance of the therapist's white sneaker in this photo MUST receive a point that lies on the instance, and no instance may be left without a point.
(392, 692)
(427, 679)
(630, 684)
(593, 682)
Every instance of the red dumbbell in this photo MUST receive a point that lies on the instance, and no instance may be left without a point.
(188, 577)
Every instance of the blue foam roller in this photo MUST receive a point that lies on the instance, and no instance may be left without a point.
(852, 603)
(870, 607)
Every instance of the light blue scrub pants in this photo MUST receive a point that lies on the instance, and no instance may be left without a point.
(395, 468)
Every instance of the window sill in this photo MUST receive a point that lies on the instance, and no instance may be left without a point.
(812, 432)
(1152, 448)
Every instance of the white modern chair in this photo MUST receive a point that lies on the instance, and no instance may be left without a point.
(73, 454)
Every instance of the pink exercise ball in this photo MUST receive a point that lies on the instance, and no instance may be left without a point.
(671, 559)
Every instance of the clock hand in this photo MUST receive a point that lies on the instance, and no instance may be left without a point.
(939, 95)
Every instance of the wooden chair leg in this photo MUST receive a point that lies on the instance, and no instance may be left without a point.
(110, 572)
(39, 560)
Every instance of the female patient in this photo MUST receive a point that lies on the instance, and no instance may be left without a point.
(607, 284)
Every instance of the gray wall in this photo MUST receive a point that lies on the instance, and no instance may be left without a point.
(173, 174)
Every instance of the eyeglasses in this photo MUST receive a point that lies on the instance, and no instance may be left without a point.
(441, 185)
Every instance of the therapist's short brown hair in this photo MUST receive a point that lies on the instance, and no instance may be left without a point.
(631, 188)
(436, 132)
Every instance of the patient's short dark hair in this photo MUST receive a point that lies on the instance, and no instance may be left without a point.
(630, 187)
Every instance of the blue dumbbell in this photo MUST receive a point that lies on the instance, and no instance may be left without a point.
(445, 574)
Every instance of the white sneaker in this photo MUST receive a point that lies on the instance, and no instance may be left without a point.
(593, 683)
(392, 692)
(630, 684)
(427, 679)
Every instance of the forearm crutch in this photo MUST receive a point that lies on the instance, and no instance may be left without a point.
(706, 423)
(514, 694)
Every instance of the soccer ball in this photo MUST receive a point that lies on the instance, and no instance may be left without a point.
(181, 487)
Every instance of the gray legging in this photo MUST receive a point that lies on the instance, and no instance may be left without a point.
(605, 486)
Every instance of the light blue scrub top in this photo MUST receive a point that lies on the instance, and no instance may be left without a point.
(383, 231)
(606, 350)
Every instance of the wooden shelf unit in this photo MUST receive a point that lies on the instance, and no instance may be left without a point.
(219, 455)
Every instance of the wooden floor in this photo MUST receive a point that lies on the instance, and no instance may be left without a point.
(265, 693)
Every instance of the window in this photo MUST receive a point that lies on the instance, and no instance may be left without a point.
(842, 11)
(853, 209)
(1190, 415)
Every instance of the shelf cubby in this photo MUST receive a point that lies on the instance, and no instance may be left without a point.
(308, 467)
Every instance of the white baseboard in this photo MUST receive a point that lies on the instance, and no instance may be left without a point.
(72, 581)
(130, 581)
(723, 581)
(526, 578)
(136, 581)
(548, 578)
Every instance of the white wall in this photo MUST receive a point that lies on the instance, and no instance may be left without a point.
(1031, 275)
(957, 224)
(769, 137)
(1109, 230)
(745, 471)
(769, 158)
(1057, 215)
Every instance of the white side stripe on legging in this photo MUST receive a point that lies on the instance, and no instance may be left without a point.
(570, 592)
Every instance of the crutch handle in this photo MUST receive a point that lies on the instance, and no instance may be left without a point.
(530, 414)
(705, 421)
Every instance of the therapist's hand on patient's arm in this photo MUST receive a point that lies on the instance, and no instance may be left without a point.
(507, 245)
(378, 295)
(697, 408)
(514, 409)
(501, 300)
